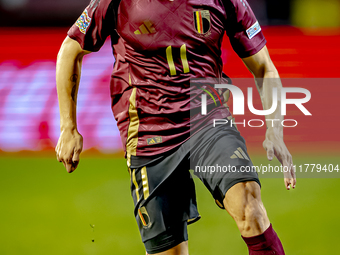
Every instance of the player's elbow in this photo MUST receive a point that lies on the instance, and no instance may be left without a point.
(70, 50)
(266, 69)
(270, 71)
(261, 65)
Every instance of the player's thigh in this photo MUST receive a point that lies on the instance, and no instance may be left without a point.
(221, 161)
(170, 242)
(181, 249)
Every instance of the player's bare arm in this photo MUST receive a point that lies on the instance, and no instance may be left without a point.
(267, 78)
(68, 71)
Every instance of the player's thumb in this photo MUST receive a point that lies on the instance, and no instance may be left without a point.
(269, 147)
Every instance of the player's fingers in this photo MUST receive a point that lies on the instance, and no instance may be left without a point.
(290, 179)
(64, 164)
(287, 183)
(287, 172)
(289, 159)
(294, 177)
(67, 157)
(286, 167)
(69, 168)
(57, 151)
(75, 158)
(69, 165)
(76, 155)
(58, 157)
(75, 165)
(285, 163)
(293, 183)
(291, 170)
(282, 157)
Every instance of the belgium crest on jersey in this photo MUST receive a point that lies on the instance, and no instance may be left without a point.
(202, 21)
(144, 217)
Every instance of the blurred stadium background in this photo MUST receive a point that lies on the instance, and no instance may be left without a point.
(46, 211)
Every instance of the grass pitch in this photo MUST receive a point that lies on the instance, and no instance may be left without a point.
(45, 210)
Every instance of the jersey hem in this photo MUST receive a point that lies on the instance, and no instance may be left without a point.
(254, 50)
(80, 41)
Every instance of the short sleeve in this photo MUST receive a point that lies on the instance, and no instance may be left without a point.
(243, 29)
(94, 25)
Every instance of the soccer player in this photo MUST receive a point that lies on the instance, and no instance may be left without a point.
(160, 49)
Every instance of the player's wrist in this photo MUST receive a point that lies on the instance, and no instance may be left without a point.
(69, 128)
(274, 133)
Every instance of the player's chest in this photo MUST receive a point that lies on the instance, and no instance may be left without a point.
(154, 24)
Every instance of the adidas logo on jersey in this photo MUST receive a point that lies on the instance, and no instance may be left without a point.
(239, 153)
(154, 140)
(146, 28)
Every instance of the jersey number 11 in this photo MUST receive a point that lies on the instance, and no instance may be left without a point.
(183, 54)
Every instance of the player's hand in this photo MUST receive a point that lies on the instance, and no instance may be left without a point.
(69, 147)
(275, 146)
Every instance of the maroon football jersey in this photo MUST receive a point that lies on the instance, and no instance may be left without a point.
(159, 46)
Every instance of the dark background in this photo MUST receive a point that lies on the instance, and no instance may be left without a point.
(64, 12)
